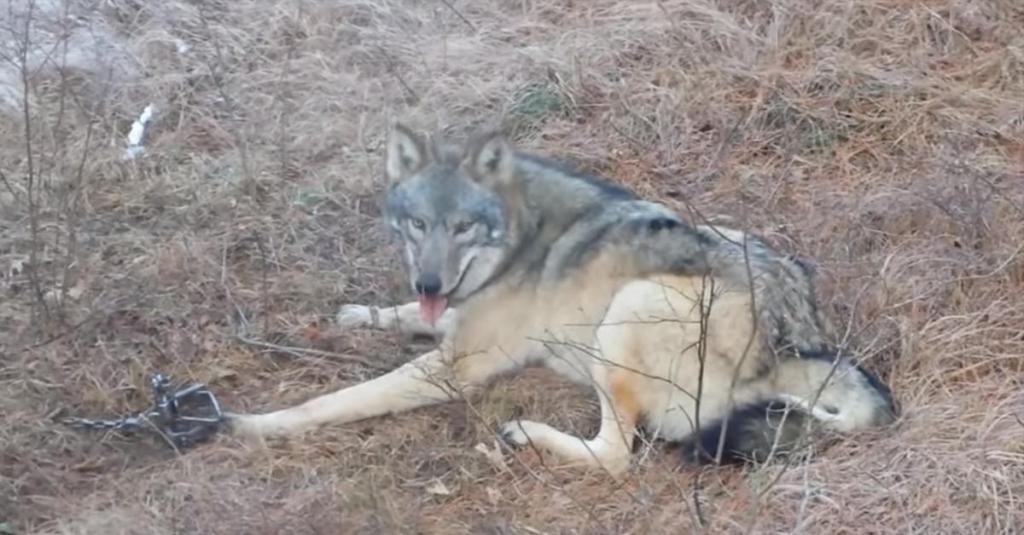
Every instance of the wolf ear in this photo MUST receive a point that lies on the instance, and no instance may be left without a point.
(405, 153)
(490, 159)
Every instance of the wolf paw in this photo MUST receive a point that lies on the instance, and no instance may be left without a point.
(354, 316)
(244, 425)
(279, 425)
(513, 434)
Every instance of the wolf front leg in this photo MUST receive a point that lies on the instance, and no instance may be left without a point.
(427, 380)
(610, 449)
(402, 318)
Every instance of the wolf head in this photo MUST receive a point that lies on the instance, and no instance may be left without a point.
(454, 208)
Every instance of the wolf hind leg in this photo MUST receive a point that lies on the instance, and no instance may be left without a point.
(610, 449)
(427, 380)
(403, 318)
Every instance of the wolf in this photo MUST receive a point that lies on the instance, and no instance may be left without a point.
(704, 336)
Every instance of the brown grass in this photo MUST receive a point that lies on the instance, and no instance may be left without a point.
(884, 139)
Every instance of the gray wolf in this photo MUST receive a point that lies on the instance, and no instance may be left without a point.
(694, 333)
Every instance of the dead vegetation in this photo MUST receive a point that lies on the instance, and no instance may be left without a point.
(882, 139)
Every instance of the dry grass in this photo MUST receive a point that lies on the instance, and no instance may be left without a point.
(884, 139)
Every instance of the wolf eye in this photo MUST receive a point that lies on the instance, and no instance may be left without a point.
(463, 227)
(418, 224)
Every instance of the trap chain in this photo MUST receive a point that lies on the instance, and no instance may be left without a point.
(183, 417)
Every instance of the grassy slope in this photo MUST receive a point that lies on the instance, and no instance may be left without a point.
(884, 139)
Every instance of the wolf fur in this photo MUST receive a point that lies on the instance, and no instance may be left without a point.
(694, 332)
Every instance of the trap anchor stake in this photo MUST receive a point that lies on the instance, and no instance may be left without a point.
(184, 417)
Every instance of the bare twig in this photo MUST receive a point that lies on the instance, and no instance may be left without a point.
(31, 178)
(218, 70)
(10, 188)
(459, 14)
(264, 289)
(393, 69)
(302, 352)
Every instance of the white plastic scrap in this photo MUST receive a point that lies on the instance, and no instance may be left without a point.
(137, 134)
(182, 46)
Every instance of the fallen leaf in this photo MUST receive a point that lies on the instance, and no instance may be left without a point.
(493, 496)
(439, 489)
(16, 268)
(493, 455)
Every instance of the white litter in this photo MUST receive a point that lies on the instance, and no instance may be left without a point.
(137, 135)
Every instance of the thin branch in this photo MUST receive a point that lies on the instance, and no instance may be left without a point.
(30, 176)
(458, 14)
(302, 352)
(7, 184)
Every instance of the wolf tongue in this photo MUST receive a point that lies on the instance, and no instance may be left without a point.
(432, 307)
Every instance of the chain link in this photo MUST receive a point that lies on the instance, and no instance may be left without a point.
(183, 417)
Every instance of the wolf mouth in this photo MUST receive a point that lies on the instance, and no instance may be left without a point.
(432, 307)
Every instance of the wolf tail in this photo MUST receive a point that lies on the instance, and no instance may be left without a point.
(752, 433)
(851, 399)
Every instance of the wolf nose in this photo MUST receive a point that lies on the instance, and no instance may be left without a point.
(429, 284)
